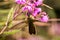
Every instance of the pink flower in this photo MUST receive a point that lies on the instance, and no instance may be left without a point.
(44, 18)
(38, 2)
(31, 4)
(27, 8)
(36, 11)
(20, 1)
(43, 14)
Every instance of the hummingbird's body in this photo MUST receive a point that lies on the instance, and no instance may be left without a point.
(31, 26)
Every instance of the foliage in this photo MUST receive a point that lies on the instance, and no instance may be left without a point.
(3, 16)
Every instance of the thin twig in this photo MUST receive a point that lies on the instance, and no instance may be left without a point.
(3, 30)
(54, 19)
(19, 12)
(19, 22)
(47, 6)
(7, 22)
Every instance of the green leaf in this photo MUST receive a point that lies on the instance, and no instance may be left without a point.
(11, 32)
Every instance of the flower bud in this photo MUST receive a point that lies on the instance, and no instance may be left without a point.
(20, 1)
(44, 19)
